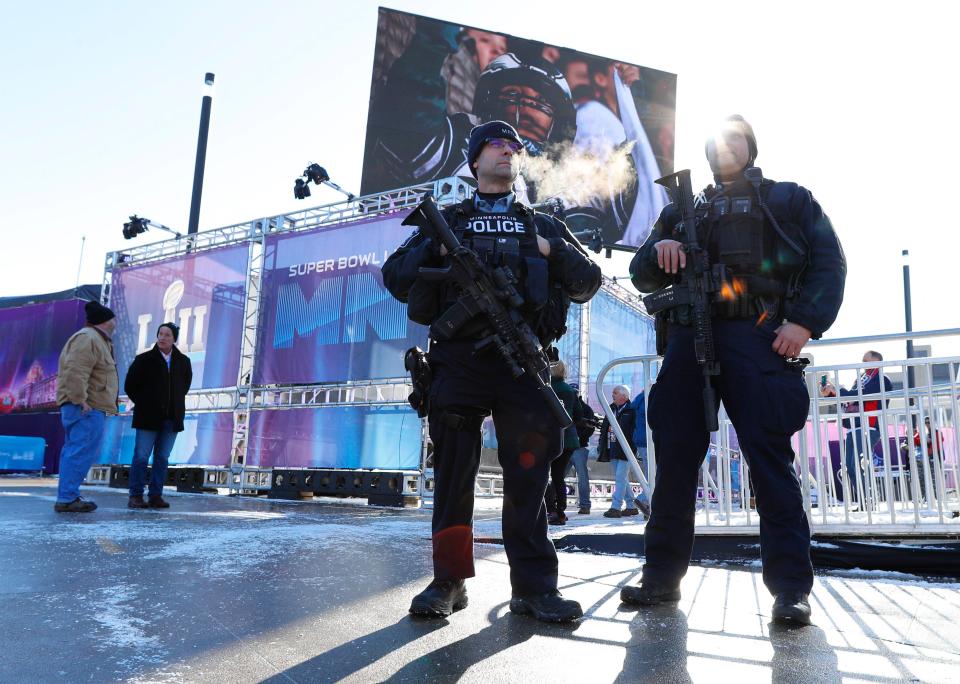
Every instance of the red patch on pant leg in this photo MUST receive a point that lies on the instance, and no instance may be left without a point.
(453, 553)
(526, 459)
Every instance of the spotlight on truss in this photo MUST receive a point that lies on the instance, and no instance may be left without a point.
(137, 225)
(319, 175)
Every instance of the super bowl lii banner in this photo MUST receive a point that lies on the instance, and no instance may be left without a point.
(203, 294)
(325, 314)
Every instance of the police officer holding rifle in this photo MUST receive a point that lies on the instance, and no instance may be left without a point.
(493, 280)
(741, 279)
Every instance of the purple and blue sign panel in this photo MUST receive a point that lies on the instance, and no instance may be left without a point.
(207, 439)
(372, 437)
(325, 314)
(32, 339)
(203, 294)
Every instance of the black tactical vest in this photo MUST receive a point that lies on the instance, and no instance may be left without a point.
(739, 234)
(503, 239)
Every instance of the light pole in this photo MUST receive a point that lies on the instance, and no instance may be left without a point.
(908, 314)
(193, 224)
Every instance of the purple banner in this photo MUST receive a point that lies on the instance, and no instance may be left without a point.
(32, 339)
(325, 314)
(203, 294)
(207, 439)
(381, 437)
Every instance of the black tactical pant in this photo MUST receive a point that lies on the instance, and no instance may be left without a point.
(767, 403)
(556, 496)
(464, 388)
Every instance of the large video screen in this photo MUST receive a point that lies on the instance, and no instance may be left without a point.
(381, 437)
(598, 131)
(325, 314)
(203, 294)
(33, 337)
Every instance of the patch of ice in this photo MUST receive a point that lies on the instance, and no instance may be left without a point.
(117, 612)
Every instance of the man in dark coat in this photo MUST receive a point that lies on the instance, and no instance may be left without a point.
(157, 382)
(556, 496)
(609, 449)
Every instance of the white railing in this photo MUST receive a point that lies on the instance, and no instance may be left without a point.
(898, 486)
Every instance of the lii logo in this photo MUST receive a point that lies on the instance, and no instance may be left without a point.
(190, 319)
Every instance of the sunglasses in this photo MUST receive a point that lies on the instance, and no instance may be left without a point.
(500, 143)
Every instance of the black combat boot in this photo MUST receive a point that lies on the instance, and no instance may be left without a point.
(791, 608)
(649, 594)
(549, 607)
(440, 599)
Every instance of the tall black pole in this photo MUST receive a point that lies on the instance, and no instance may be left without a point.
(194, 223)
(908, 316)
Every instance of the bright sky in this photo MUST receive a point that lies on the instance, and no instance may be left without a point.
(855, 100)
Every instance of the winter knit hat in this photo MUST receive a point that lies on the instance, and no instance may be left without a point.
(484, 133)
(97, 313)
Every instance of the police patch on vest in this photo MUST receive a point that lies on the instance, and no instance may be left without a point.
(492, 224)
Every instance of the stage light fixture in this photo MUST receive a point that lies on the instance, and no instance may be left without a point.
(300, 189)
(137, 225)
(317, 174)
(134, 227)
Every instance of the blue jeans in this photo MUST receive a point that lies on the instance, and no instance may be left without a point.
(621, 485)
(642, 459)
(160, 442)
(84, 432)
(579, 460)
(854, 449)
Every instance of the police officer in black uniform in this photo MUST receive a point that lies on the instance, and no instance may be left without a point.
(786, 273)
(470, 380)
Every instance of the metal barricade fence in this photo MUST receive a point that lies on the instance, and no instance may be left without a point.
(899, 475)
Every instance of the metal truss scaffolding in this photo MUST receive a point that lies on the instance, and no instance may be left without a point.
(245, 397)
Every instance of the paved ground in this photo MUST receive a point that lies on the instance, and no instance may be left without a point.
(243, 590)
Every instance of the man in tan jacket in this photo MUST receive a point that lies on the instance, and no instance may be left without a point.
(87, 390)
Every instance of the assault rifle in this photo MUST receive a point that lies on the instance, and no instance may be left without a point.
(492, 293)
(699, 283)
